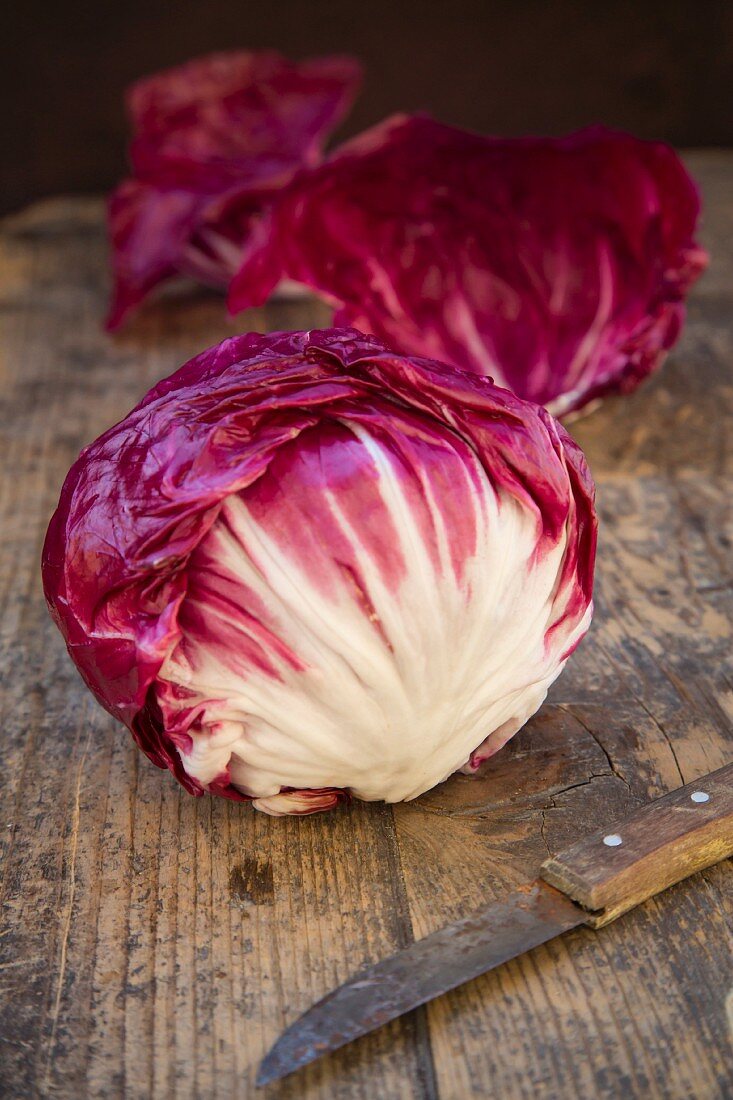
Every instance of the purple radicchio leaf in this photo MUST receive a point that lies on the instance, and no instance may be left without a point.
(556, 266)
(213, 141)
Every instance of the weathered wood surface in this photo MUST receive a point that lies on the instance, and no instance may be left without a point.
(155, 945)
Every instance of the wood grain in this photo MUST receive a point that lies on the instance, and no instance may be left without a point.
(154, 945)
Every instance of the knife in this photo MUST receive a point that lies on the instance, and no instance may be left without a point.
(593, 882)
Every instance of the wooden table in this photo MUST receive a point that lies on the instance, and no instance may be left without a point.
(154, 944)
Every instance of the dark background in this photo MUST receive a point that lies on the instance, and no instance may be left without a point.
(512, 66)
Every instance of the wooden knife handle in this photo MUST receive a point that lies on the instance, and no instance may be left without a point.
(659, 845)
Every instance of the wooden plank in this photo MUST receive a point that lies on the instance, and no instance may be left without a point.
(154, 945)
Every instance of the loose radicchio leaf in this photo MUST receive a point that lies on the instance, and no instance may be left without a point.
(305, 568)
(213, 141)
(556, 266)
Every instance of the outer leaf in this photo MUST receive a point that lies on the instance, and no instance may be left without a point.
(557, 266)
(213, 141)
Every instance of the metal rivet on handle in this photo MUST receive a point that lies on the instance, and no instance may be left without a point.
(700, 796)
(612, 840)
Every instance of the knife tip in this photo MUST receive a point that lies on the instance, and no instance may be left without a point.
(277, 1064)
(287, 1056)
(267, 1072)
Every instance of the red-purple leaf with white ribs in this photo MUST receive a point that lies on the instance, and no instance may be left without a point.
(306, 568)
(556, 266)
(213, 141)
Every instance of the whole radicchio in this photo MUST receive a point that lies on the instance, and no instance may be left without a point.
(557, 266)
(305, 567)
(213, 141)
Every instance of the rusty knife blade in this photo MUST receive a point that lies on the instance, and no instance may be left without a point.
(431, 966)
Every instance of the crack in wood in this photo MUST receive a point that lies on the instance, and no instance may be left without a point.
(615, 769)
